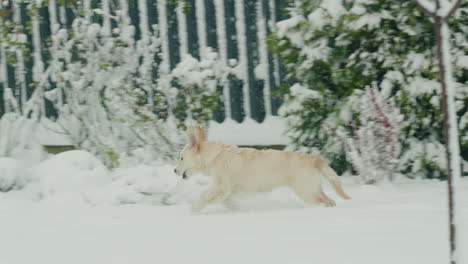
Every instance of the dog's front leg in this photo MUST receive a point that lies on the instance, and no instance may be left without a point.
(217, 192)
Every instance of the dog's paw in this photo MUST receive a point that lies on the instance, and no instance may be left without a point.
(231, 205)
(196, 208)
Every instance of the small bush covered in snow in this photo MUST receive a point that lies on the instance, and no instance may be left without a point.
(17, 138)
(107, 99)
(12, 174)
(374, 144)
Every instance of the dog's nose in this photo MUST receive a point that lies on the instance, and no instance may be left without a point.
(175, 170)
(184, 175)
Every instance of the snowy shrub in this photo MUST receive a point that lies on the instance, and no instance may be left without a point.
(19, 115)
(334, 47)
(305, 112)
(14, 133)
(107, 99)
(11, 174)
(374, 146)
(18, 138)
(200, 84)
(74, 172)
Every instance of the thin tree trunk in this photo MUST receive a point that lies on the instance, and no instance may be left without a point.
(442, 73)
(442, 36)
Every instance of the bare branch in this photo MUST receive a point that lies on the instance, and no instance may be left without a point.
(454, 7)
(428, 7)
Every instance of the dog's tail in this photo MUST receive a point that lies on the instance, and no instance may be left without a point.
(331, 176)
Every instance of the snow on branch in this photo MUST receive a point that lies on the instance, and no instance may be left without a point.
(440, 8)
(111, 104)
(452, 7)
(428, 6)
(200, 82)
(373, 147)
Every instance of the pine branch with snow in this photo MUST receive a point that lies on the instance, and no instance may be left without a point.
(334, 47)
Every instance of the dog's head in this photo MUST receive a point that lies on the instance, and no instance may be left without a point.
(190, 160)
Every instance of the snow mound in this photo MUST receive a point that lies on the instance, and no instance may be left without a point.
(11, 174)
(147, 184)
(138, 184)
(71, 173)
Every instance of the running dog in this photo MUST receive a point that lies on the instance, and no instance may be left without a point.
(234, 170)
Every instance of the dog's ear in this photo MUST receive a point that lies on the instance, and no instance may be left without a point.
(201, 135)
(193, 140)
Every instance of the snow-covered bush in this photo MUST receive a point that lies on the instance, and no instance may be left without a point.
(19, 115)
(12, 175)
(334, 47)
(374, 146)
(15, 134)
(18, 130)
(107, 98)
(200, 84)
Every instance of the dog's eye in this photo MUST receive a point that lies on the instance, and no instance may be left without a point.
(181, 158)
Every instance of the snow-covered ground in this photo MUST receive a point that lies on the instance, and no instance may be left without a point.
(404, 222)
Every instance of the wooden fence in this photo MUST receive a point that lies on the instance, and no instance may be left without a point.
(236, 29)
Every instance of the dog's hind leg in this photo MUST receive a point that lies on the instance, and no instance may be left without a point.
(314, 198)
(307, 196)
(309, 189)
(326, 200)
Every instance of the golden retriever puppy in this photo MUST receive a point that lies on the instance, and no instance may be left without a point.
(234, 169)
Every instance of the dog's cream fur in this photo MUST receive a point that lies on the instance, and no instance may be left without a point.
(235, 170)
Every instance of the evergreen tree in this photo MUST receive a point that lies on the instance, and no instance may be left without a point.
(334, 47)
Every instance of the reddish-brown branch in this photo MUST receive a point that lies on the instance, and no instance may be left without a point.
(377, 107)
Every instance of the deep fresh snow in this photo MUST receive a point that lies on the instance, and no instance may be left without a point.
(404, 222)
